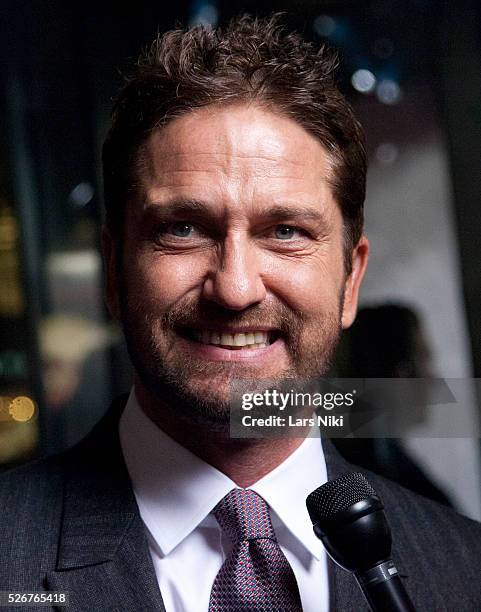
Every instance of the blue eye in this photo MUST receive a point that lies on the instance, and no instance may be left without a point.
(181, 229)
(285, 232)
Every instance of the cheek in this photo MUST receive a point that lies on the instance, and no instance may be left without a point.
(163, 280)
(311, 287)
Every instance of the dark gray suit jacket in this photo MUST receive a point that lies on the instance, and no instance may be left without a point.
(70, 523)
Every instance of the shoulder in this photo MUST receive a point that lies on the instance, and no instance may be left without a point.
(438, 548)
(39, 484)
(31, 495)
(31, 483)
(408, 513)
(31, 499)
(410, 510)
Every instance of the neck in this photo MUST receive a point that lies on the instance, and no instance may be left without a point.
(245, 461)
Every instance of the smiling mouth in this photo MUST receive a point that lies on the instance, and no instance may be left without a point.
(232, 341)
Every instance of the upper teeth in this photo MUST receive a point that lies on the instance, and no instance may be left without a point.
(258, 338)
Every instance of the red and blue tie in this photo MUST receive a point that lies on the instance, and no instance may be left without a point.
(256, 576)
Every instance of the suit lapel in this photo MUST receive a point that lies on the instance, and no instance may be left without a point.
(104, 561)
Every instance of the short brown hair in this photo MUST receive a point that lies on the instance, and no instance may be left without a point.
(252, 60)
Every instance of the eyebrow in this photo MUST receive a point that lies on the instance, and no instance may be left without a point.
(294, 212)
(176, 207)
(196, 208)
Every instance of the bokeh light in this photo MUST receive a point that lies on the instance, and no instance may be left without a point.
(363, 80)
(388, 91)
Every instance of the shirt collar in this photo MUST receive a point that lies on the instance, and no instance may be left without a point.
(286, 487)
(176, 490)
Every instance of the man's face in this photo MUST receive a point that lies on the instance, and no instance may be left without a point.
(232, 264)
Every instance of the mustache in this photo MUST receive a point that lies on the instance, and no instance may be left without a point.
(203, 314)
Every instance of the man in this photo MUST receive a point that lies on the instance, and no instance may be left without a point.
(234, 183)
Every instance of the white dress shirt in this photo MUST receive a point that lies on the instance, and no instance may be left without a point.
(176, 492)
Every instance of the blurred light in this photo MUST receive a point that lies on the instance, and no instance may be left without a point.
(387, 153)
(8, 230)
(388, 91)
(79, 264)
(5, 403)
(205, 14)
(383, 48)
(324, 25)
(363, 81)
(81, 195)
(22, 409)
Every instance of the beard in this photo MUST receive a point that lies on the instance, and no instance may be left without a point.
(200, 391)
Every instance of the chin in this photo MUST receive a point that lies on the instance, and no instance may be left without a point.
(201, 410)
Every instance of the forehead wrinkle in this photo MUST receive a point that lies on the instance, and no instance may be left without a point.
(226, 165)
(275, 196)
(214, 154)
(235, 180)
(170, 146)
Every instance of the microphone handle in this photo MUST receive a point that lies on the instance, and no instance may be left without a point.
(384, 590)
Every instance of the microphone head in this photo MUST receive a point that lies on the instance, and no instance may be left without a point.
(348, 517)
(338, 495)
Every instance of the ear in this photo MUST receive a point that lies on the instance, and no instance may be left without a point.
(109, 253)
(360, 256)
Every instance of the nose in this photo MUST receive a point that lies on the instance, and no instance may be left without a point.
(235, 281)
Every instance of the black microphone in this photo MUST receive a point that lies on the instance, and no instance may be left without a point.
(349, 518)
